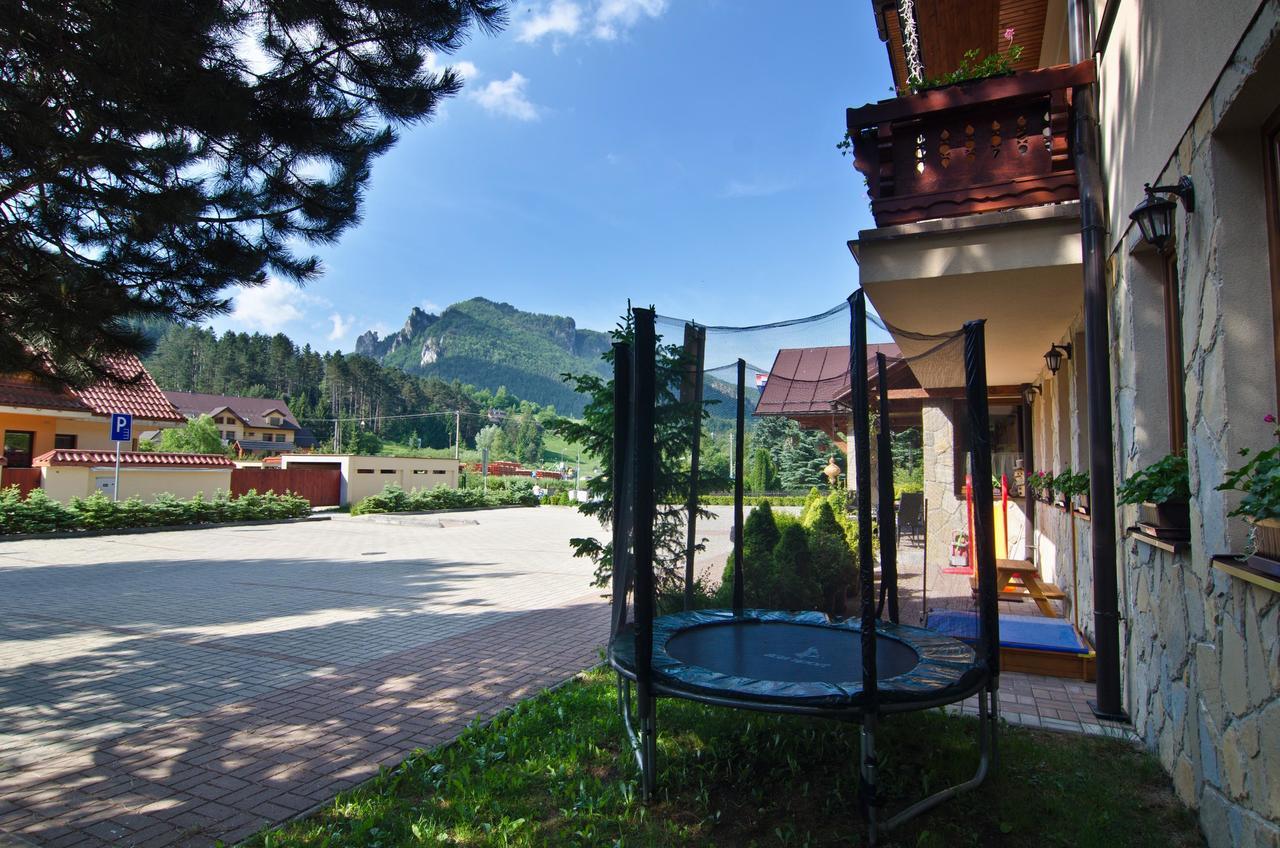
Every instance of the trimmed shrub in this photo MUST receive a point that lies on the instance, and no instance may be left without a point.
(395, 499)
(37, 513)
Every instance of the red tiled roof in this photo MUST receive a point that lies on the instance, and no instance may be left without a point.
(252, 411)
(132, 391)
(805, 381)
(132, 459)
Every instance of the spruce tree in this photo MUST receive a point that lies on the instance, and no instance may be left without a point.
(155, 152)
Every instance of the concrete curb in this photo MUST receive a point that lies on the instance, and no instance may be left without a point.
(170, 528)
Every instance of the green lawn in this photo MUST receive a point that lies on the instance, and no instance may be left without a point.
(554, 772)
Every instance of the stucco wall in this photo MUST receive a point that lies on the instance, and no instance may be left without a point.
(91, 434)
(64, 483)
(1202, 648)
(1160, 62)
(363, 476)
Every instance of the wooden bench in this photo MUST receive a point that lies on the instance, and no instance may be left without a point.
(1019, 578)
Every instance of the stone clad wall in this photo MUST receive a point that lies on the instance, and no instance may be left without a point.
(1202, 648)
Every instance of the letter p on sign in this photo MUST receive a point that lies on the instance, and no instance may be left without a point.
(121, 427)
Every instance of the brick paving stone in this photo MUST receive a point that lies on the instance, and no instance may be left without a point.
(179, 688)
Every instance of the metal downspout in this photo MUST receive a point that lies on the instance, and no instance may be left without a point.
(1093, 232)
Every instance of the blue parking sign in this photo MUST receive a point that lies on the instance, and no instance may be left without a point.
(121, 426)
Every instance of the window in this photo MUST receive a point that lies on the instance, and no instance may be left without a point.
(64, 441)
(364, 470)
(279, 437)
(1006, 443)
(388, 471)
(275, 421)
(1173, 357)
(18, 447)
(1271, 162)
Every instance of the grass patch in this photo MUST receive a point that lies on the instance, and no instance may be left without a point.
(555, 771)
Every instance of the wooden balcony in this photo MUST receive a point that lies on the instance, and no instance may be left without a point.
(983, 146)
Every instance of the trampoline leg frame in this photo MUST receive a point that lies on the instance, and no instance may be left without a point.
(644, 742)
(988, 720)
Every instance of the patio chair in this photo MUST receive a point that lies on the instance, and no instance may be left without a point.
(911, 515)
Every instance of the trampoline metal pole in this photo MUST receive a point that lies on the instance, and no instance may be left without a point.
(740, 433)
(862, 469)
(984, 539)
(868, 775)
(695, 344)
(888, 522)
(620, 482)
(644, 394)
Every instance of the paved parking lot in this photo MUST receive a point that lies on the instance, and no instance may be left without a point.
(181, 687)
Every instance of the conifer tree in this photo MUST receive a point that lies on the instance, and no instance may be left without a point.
(155, 152)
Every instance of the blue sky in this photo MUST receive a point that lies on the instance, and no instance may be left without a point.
(676, 152)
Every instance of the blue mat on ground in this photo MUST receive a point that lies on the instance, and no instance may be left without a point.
(1016, 631)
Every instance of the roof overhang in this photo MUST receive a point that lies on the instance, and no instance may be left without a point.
(1019, 269)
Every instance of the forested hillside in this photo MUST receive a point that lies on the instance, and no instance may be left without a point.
(487, 344)
(320, 386)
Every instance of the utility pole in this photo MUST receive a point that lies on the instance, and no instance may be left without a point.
(577, 476)
(457, 434)
(337, 448)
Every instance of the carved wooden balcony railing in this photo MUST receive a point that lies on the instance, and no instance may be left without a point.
(997, 143)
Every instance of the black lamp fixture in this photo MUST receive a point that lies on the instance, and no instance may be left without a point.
(1053, 358)
(1029, 393)
(1154, 215)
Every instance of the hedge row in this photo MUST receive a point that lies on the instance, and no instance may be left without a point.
(38, 513)
(395, 499)
(753, 500)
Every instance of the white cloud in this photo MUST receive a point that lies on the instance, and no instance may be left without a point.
(560, 17)
(431, 306)
(463, 68)
(507, 97)
(341, 326)
(269, 307)
(756, 188)
(614, 17)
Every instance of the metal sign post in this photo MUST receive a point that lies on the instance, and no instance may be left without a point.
(121, 431)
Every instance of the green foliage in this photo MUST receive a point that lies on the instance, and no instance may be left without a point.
(37, 513)
(528, 440)
(395, 499)
(1259, 480)
(791, 563)
(146, 166)
(762, 473)
(1071, 485)
(673, 437)
(1040, 480)
(363, 442)
(199, 435)
(975, 66)
(555, 771)
(1160, 482)
(751, 500)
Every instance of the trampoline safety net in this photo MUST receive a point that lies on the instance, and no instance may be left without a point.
(807, 415)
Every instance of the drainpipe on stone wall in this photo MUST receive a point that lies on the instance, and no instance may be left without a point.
(1093, 233)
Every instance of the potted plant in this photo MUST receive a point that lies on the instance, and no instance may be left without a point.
(1041, 482)
(1074, 488)
(1259, 480)
(1162, 492)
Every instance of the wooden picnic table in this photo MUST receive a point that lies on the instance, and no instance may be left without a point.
(1021, 577)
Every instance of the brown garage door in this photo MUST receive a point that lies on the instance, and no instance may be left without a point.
(319, 483)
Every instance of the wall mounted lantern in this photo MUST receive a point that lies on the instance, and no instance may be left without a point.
(1029, 393)
(1053, 359)
(1154, 215)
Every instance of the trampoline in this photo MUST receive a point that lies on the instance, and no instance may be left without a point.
(800, 663)
(856, 669)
